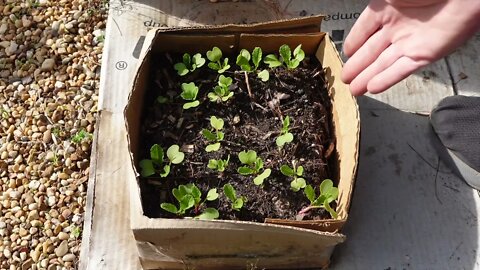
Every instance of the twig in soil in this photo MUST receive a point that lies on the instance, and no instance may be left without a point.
(248, 85)
(260, 106)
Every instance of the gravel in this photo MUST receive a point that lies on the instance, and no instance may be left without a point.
(50, 55)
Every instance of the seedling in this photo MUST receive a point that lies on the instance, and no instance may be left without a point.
(189, 64)
(328, 194)
(218, 164)
(221, 92)
(215, 57)
(286, 57)
(189, 93)
(254, 165)
(156, 162)
(216, 136)
(81, 136)
(189, 196)
(296, 172)
(285, 135)
(243, 60)
(230, 193)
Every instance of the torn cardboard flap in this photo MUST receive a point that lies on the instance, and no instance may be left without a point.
(232, 244)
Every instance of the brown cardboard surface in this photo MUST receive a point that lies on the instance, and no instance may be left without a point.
(195, 243)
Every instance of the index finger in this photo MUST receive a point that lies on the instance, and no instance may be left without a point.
(365, 26)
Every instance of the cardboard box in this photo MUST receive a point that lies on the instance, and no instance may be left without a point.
(222, 244)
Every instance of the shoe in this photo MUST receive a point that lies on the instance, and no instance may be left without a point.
(456, 122)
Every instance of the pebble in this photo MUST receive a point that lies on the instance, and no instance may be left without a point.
(48, 64)
(62, 249)
(68, 258)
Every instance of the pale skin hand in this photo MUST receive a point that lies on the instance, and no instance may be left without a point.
(393, 38)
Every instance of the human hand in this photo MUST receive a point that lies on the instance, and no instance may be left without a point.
(393, 38)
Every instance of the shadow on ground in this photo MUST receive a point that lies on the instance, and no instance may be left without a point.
(409, 210)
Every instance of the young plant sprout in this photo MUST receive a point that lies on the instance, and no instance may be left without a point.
(156, 162)
(254, 165)
(286, 57)
(189, 196)
(243, 61)
(285, 135)
(82, 136)
(218, 165)
(230, 193)
(221, 92)
(189, 93)
(328, 194)
(215, 57)
(189, 64)
(217, 137)
(295, 172)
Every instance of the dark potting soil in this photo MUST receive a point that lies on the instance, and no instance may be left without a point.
(252, 122)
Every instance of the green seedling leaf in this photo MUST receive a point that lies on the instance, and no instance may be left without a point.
(298, 53)
(198, 60)
(229, 191)
(212, 194)
(209, 135)
(227, 97)
(220, 136)
(310, 193)
(299, 170)
(225, 67)
(257, 57)
(264, 75)
(213, 97)
(175, 155)
(189, 91)
(285, 124)
(287, 171)
(332, 212)
(247, 157)
(258, 164)
(216, 123)
(209, 214)
(326, 186)
(243, 59)
(245, 170)
(147, 168)
(186, 59)
(162, 99)
(212, 147)
(187, 202)
(260, 178)
(272, 61)
(156, 154)
(225, 81)
(214, 66)
(169, 207)
(283, 139)
(179, 192)
(192, 104)
(298, 184)
(238, 204)
(166, 171)
(214, 55)
(181, 69)
(196, 193)
(285, 53)
(213, 164)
